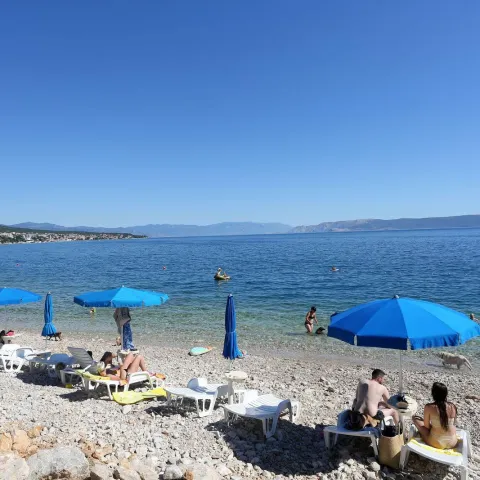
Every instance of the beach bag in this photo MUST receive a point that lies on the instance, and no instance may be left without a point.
(390, 445)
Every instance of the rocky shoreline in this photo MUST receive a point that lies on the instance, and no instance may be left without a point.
(150, 440)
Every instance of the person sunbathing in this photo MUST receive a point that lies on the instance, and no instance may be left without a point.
(437, 427)
(372, 397)
(131, 364)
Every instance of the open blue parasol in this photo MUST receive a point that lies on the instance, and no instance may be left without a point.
(402, 323)
(121, 297)
(49, 327)
(16, 296)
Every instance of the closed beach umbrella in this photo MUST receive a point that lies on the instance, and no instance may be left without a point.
(402, 323)
(230, 347)
(49, 327)
(16, 296)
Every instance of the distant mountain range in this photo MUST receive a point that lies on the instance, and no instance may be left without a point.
(369, 225)
(251, 228)
(167, 230)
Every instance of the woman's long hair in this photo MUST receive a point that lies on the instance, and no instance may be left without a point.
(105, 356)
(439, 394)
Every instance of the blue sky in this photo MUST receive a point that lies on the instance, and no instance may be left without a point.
(119, 113)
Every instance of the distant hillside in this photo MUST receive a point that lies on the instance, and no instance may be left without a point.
(167, 230)
(462, 221)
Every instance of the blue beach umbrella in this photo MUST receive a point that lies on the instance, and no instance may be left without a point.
(230, 347)
(49, 327)
(402, 323)
(16, 296)
(121, 297)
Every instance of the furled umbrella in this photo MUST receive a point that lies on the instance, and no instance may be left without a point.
(230, 347)
(49, 328)
(402, 324)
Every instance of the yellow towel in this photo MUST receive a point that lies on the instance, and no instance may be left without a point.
(99, 378)
(130, 397)
(448, 451)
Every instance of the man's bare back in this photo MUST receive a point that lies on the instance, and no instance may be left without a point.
(371, 397)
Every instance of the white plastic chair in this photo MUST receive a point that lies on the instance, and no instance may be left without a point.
(266, 408)
(371, 433)
(199, 390)
(460, 461)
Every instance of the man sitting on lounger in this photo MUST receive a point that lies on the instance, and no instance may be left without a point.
(372, 396)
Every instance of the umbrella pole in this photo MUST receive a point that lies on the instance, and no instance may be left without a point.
(401, 374)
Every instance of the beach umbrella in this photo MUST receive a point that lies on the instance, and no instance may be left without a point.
(49, 327)
(230, 347)
(15, 296)
(121, 297)
(402, 324)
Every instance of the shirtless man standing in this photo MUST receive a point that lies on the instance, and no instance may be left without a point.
(372, 396)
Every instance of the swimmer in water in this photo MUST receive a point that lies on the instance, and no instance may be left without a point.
(334, 269)
(92, 311)
(164, 267)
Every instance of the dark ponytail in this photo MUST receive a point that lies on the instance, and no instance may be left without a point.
(439, 394)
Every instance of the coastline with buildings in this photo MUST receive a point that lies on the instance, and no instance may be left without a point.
(12, 236)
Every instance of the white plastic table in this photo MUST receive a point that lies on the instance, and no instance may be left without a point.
(404, 413)
(235, 376)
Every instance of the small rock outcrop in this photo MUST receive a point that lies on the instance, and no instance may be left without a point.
(67, 461)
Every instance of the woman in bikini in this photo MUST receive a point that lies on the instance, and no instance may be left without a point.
(310, 318)
(437, 428)
(131, 364)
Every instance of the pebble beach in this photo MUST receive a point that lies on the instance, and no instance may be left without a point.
(150, 441)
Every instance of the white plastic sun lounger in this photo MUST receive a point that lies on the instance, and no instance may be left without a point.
(92, 383)
(18, 359)
(199, 390)
(266, 408)
(49, 362)
(81, 359)
(372, 433)
(6, 352)
(457, 457)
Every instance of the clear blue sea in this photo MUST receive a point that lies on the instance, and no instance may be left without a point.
(275, 279)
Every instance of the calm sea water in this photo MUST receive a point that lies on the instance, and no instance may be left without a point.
(275, 279)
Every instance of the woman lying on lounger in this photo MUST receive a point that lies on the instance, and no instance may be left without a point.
(131, 364)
